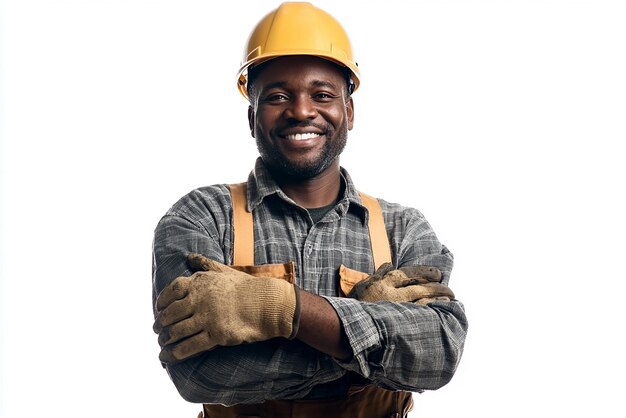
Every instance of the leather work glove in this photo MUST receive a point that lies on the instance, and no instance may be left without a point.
(419, 284)
(222, 306)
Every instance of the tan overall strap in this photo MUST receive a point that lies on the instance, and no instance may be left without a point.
(362, 401)
(381, 250)
(243, 237)
(243, 225)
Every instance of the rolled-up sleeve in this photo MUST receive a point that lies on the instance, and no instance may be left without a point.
(406, 346)
(403, 346)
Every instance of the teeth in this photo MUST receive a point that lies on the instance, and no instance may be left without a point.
(302, 137)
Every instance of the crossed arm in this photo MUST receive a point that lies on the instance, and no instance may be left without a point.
(395, 345)
(370, 340)
(219, 305)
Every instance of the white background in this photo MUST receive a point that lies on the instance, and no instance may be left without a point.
(502, 121)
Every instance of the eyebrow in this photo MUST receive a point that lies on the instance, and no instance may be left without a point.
(320, 83)
(314, 83)
(276, 84)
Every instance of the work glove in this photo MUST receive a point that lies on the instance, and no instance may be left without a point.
(418, 284)
(222, 306)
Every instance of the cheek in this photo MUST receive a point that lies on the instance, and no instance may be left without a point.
(266, 120)
(337, 117)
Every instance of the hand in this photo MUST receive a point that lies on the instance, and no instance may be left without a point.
(419, 284)
(222, 307)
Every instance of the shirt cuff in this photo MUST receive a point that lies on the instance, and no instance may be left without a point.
(363, 335)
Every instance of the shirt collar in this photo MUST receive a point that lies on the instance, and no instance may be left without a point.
(261, 184)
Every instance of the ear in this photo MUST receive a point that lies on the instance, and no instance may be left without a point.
(251, 120)
(350, 113)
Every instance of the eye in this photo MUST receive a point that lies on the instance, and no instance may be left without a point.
(324, 96)
(275, 98)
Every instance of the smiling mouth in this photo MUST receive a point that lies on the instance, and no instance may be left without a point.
(302, 137)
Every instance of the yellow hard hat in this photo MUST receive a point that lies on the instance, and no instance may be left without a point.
(297, 29)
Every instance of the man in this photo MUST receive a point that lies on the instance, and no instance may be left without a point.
(248, 279)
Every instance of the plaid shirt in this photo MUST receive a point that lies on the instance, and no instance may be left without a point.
(399, 346)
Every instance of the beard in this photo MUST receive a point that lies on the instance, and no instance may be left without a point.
(283, 167)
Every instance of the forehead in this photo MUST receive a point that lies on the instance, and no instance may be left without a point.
(299, 69)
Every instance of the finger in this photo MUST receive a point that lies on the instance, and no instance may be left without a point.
(425, 301)
(360, 287)
(420, 291)
(187, 348)
(382, 270)
(364, 284)
(177, 289)
(396, 278)
(440, 290)
(418, 280)
(174, 312)
(198, 262)
(179, 331)
(428, 272)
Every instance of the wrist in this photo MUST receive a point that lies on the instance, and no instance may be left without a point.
(280, 307)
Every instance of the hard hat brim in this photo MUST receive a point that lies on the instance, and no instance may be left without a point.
(242, 75)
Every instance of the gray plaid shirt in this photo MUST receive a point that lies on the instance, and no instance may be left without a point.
(399, 346)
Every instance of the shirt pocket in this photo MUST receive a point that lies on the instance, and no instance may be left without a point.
(286, 271)
(348, 278)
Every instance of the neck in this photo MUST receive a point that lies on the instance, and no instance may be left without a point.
(315, 192)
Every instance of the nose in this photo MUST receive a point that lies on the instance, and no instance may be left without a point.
(301, 107)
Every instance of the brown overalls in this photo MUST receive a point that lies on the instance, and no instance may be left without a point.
(363, 400)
